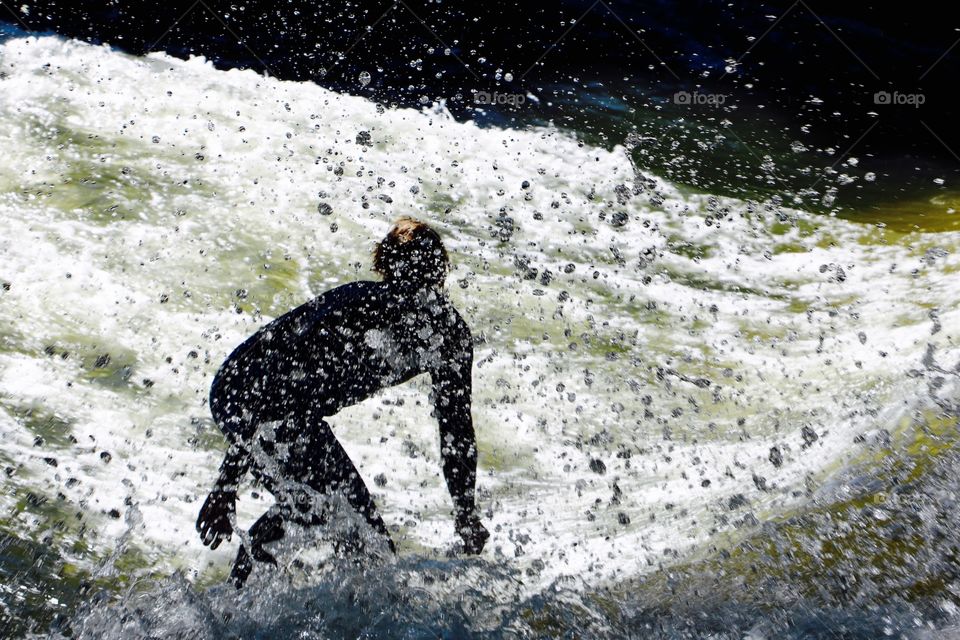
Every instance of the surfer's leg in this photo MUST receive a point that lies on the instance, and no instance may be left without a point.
(336, 473)
(268, 528)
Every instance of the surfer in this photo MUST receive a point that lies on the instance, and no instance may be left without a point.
(272, 395)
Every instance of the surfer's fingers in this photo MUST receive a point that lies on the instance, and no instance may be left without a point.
(208, 536)
(221, 535)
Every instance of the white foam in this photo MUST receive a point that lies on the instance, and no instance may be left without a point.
(86, 191)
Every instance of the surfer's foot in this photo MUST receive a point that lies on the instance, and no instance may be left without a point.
(243, 565)
(241, 569)
(262, 555)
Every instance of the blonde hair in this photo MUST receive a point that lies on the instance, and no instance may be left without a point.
(411, 252)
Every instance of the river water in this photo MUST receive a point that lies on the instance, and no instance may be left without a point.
(696, 414)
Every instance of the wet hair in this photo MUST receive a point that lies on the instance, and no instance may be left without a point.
(411, 252)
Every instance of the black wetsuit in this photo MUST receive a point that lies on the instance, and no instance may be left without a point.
(327, 354)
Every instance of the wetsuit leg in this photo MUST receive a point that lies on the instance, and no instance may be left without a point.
(268, 528)
(331, 471)
(303, 451)
(314, 457)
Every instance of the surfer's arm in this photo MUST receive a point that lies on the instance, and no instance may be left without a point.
(234, 467)
(452, 389)
(215, 520)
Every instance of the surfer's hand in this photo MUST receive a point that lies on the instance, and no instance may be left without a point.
(473, 533)
(215, 515)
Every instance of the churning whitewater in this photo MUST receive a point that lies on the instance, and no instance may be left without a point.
(656, 370)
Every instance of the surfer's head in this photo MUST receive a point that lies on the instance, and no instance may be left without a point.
(411, 252)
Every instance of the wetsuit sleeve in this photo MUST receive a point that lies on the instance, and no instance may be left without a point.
(234, 467)
(452, 388)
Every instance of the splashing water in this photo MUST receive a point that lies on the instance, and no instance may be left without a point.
(659, 373)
